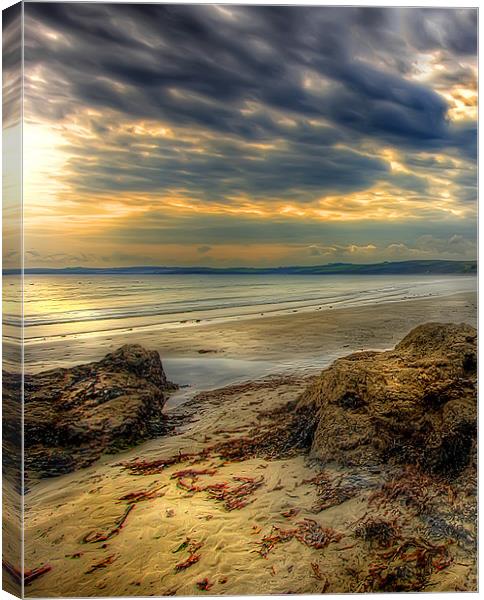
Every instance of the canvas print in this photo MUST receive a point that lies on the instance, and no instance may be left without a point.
(239, 310)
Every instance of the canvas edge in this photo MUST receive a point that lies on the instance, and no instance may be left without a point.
(13, 571)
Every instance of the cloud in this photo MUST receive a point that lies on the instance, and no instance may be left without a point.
(230, 75)
(159, 228)
(197, 65)
(315, 251)
(11, 65)
(253, 124)
(454, 247)
(210, 167)
(257, 243)
(454, 30)
(343, 252)
(35, 258)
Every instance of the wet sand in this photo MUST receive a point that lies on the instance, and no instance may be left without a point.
(285, 342)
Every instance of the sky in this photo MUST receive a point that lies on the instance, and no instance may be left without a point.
(229, 135)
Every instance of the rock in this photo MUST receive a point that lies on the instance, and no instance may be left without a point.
(416, 404)
(74, 415)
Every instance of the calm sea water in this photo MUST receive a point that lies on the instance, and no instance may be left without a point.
(66, 304)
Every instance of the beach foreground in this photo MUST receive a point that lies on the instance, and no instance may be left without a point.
(233, 503)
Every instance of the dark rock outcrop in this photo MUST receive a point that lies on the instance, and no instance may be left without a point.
(74, 415)
(415, 404)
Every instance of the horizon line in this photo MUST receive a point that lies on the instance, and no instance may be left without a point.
(80, 268)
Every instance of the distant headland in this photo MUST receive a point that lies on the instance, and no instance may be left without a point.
(407, 267)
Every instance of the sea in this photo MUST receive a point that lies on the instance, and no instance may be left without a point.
(67, 304)
(69, 311)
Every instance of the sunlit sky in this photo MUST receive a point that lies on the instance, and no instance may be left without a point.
(228, 135)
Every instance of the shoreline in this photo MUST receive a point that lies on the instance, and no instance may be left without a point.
(310, 339)
(200, 317)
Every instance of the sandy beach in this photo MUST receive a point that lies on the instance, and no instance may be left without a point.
(116, 529)
(142, 558)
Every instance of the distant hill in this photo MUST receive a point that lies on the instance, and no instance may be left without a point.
(407, 267)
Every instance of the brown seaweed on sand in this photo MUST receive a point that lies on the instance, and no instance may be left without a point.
(330, 493)
(193, 473)
(236, 497)
(191, 560)
(279, 439)
(320, 577)
(135, 497)
(204, 584)
(415, 489)
(378, 532)
(98, 536)
(101, 564)
(316, 571)
(406, 568)
(153, 467)
(311, 534)
(283, 438)
(190, 546)
(232, 497)
(307, 532)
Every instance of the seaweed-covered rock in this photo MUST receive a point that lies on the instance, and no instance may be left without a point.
(414, 404)
(74, 415)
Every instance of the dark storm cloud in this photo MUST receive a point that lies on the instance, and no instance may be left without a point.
(11, 64)
(258, 54)
(453, 30)
(233, 71)
(223, 169)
